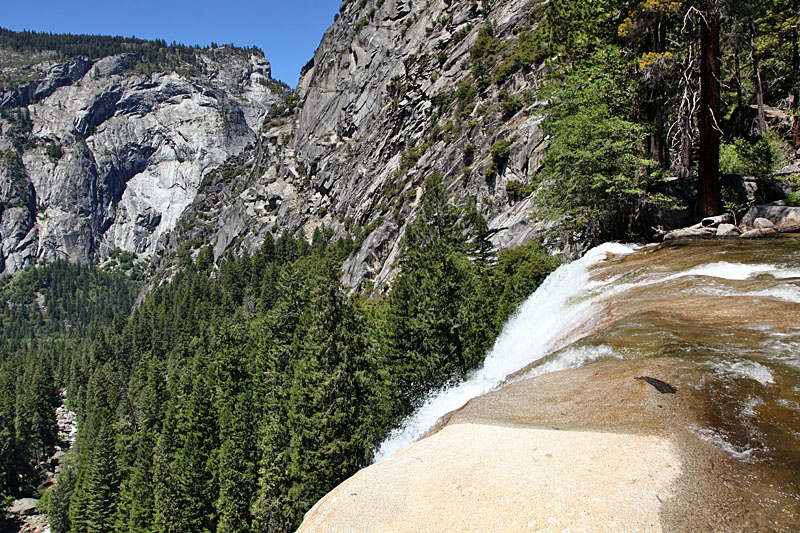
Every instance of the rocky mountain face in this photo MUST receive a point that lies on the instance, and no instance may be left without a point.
(98, 155)
(396, 90)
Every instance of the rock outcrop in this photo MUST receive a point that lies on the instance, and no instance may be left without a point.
(779, 217)
(759, 221)
(389, 97)
(97, 156)
(24, 507)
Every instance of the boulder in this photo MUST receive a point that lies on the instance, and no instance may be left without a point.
(761, 232)
(790, 228)
(763, 223)
(727, 230)
(779, 215)
(57, 457)
(698, 231)
(713, 222)
(25, 507)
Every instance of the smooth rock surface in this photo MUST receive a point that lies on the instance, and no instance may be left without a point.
(24, 506)
(595, 448)
(698, 231)
(715, 221)
(763, 223)
(759, 233)
(501, 478)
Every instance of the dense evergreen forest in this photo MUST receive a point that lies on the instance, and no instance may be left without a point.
(60, 300)
(153, 55)
(237, 395)
(96, 46)
(47, 314)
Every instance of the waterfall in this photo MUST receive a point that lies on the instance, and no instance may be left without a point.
(558, 313)
(729, 305)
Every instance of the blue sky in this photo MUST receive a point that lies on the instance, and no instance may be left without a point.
(287, 30)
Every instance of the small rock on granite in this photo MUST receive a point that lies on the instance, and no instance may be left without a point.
(727, 230)
(24, 507)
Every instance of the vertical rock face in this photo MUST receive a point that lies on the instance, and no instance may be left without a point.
(389, 97)
(97, 156)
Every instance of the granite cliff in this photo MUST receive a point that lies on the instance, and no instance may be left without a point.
(99, 157)
(99, 154)
(393, 93)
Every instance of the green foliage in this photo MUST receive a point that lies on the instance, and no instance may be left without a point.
(459, 35)
(793, 197)
(233, 398)
(21, 126)
(430, 316)
(21, 191)
(58, 506)
(468, 152)
(27, 425)
(731, 202)
(658, 43)
(484, 55)
(509, 105)
(490, 173)
(410, 157)
(500, 151)
(526, 51)
(596, 176)
(443, 311)
(516, 190)
(54, 152)
(465, 95)
(519, 271)
(759, 159)
(60, 300)
(574, 30)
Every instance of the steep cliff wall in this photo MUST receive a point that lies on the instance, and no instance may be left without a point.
(97, 156)
(396, 90)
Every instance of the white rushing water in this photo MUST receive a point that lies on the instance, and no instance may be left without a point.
(557, 314)
(567, 307)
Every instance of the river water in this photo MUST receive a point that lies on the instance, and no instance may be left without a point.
(732, 307)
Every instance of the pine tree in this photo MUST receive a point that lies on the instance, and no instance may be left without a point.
(197, 434)
(236, 468)
(59, 506)
(708, 199)
(431, 321)
(101, 485)
(327, 393)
